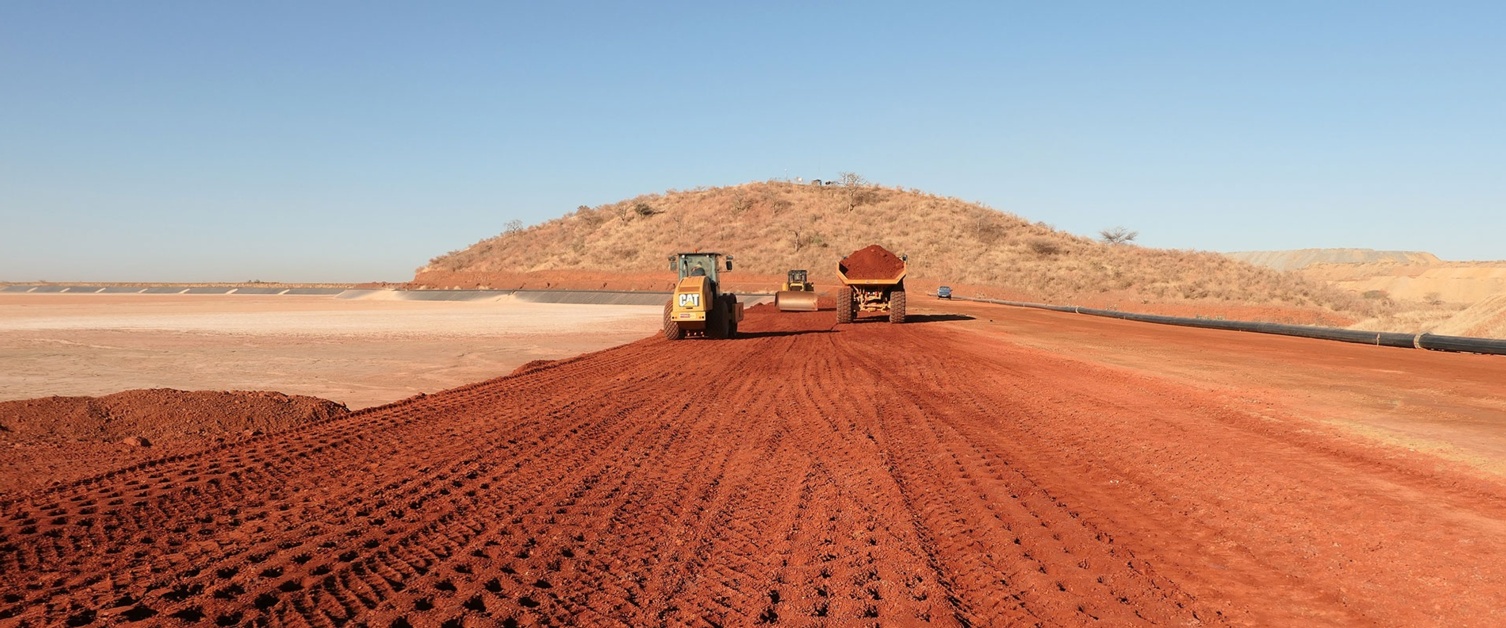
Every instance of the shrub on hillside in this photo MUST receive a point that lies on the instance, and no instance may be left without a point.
(1044, 247)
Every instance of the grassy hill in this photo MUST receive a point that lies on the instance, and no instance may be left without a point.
(774, 226)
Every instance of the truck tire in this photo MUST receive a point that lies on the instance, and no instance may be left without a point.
(844, 304)
(897, 306)
(672, 330)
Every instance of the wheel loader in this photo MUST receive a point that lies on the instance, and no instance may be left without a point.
(699, 307)
(797, 294)
(873, 280)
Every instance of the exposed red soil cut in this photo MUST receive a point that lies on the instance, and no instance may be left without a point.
(872, 262)
(804, 474)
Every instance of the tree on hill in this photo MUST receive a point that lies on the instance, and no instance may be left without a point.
(1118, 235)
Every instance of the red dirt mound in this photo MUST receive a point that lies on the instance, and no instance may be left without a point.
(532, 366)
(872, 262)
(158, 414)
(62, 439)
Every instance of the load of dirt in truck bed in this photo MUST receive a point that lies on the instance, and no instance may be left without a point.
(146, 416)
(872, 262)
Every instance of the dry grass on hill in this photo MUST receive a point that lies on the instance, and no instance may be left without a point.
(1486, 319)
(774, 226)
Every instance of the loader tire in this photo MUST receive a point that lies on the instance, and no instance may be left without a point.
(672, 330)
(844, 304)
(897, 306)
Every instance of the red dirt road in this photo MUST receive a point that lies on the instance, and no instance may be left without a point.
(802, 475)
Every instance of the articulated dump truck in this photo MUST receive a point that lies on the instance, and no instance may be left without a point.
(699, 307)
(873, 280)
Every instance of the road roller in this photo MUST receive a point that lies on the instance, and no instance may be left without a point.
(797, 294)
(698, 306)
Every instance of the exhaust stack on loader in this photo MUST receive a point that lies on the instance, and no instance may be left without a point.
(699, 307)
(797, 294)
(873, 280)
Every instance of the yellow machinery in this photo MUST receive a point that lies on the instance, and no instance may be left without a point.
(797, 294)
(699, 307)
(873, 280)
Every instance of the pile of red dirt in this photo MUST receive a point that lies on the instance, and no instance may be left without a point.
(872, 262)
(148, 416)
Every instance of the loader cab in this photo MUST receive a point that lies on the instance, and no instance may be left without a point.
(698, 265)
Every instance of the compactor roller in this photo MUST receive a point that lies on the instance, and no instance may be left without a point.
(797, 294)
(699, 307)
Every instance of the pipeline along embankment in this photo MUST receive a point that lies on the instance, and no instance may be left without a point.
(1434, 342)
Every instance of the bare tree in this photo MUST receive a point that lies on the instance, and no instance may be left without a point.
(1118, 235)
(853, 182)
(514, 226)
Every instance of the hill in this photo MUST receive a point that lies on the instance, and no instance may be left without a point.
(1302, 258)
(1451, 282)
(1485, 319)
(1414, 291)
(776, 225)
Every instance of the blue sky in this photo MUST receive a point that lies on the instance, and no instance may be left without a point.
(352, 141)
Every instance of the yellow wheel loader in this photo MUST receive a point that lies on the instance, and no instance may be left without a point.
(699, 307)
(797, 294)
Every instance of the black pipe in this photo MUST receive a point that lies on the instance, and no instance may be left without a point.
(1461, 343)
(1379, 338)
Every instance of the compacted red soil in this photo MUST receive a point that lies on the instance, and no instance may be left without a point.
(803, 474)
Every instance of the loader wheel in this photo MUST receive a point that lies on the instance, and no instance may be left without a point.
(672, 330)
(844, 304)
(897, 306)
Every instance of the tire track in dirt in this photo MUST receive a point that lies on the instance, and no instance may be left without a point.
(867, 474)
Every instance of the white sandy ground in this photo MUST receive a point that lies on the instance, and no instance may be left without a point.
(359, 352)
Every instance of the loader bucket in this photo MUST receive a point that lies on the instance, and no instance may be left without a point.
(795, 301)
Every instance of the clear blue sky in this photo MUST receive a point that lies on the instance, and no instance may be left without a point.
(351, 141)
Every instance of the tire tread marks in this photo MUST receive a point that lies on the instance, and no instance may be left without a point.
(794, 477)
